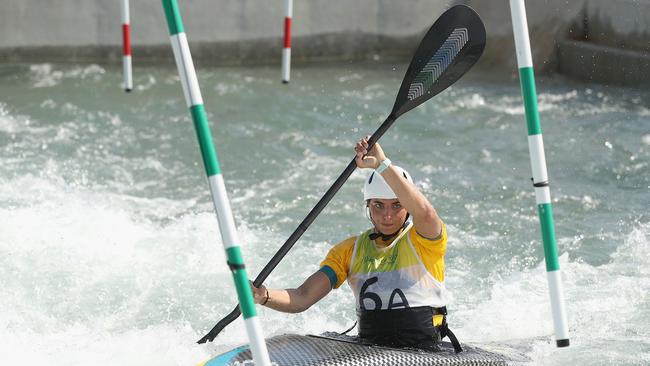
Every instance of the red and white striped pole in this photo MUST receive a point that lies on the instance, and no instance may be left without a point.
(126, 41)
(286, 51)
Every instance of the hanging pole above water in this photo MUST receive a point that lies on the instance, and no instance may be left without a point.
(286, 51)
(540, 175)
(127, 76)
(225, 218)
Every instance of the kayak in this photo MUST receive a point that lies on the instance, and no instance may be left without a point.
(335, 350)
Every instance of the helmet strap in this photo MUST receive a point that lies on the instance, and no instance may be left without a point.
(385, 237)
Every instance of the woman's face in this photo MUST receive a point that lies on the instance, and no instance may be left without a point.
(387, 215)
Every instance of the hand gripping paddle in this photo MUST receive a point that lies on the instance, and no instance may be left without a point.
(450, 48)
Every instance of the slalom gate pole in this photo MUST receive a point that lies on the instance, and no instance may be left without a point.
(226, 221)
(540, 175)
(286, 51)
(126, 43)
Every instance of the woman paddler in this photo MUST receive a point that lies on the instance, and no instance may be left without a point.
(395, 269)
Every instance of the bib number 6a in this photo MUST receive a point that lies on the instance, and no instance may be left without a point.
(376, 299)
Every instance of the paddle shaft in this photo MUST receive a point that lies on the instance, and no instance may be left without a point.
(327, 197)
(302, 227)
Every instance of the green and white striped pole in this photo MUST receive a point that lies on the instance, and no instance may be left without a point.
(540, 176)
(215, 180)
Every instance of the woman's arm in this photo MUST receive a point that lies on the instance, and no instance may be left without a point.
(294, 300)
(425, 218)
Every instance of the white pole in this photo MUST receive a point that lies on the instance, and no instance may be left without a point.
(286, 51)
(540, 175)
(126, 42)
(235, 260)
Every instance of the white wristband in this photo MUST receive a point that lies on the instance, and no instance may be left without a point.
(383, 166)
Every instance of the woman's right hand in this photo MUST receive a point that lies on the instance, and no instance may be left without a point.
(259, 293)
(368, 159)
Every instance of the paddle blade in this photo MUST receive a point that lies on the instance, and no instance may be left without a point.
(450, 48)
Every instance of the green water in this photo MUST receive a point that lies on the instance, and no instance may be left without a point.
(110, 251)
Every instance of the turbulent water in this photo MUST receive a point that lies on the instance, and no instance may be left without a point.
(110, 253)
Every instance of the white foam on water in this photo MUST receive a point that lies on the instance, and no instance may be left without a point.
(368, 93)
(601, 301)
(47, 75)
(573, 102)
(145, 82)
(15, 124)
(352, 76)
(646, 139)
(87, 278)
(82, 345)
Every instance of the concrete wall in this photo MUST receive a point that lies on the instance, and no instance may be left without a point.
(97, 22)
(612, 45)
(548, 22)
(224, 31)
(564, 33)
(618, 23)
(605, 41)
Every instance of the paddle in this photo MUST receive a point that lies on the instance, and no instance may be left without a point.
(449, 49)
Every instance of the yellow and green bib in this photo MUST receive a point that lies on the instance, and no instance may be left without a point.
(393, 277)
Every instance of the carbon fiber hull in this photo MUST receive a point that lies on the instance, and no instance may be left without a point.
(307, 350)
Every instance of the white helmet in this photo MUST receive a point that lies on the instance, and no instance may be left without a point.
(376, 186)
